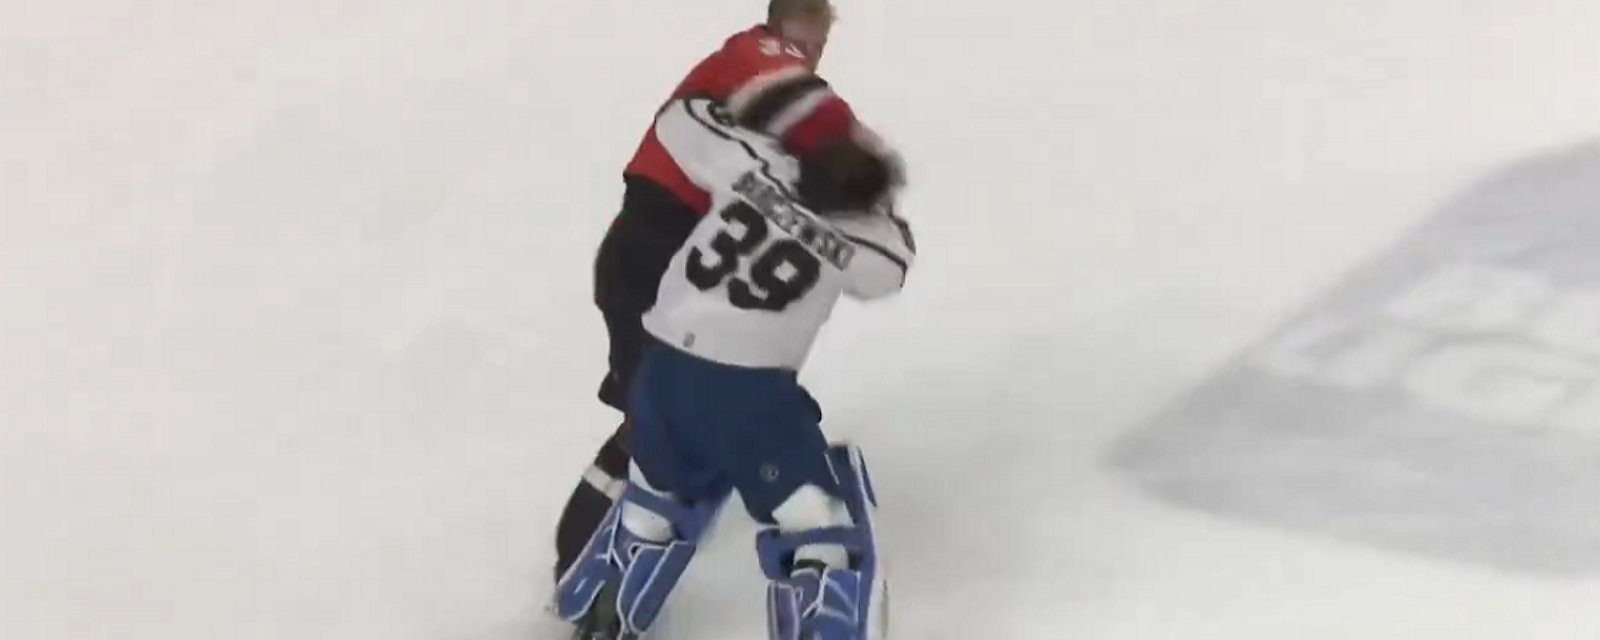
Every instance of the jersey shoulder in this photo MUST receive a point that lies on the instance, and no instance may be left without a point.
(713, 151)
(743, 57)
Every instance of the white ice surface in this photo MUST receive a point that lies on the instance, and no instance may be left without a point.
(295, 335)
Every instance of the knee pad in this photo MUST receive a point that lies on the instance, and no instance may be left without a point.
(624, 576)
(834, 603)
(776, 549)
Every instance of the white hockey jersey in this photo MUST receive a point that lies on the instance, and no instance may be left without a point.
(761, 273)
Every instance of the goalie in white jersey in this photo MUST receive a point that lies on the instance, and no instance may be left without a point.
(716, 405)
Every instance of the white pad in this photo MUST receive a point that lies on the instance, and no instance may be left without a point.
(643, 522)
(808, 508)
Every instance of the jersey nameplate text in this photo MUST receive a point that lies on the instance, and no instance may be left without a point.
(795, 220)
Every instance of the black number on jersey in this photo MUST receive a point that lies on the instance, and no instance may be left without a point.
(752, 231)
(784, 273)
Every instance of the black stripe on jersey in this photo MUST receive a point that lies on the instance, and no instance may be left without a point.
(868, 244)
(761, 111)
(766, 167)
(905, 232)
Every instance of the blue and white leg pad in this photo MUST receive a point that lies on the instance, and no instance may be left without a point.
(643, 572)
(829, 603)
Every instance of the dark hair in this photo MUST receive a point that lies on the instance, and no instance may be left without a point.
(841, 177)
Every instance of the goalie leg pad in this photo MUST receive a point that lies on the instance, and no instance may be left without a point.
(828, 603)
(818, 603)
(643, 572)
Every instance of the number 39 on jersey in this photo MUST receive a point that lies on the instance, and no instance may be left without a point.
(780, 271)
(761, 273)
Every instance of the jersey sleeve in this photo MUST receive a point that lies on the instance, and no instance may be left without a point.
(771, 90)
(711, 153)
(885, 250)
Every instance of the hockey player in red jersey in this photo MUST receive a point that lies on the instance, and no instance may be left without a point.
(765, 78)
(768, 83)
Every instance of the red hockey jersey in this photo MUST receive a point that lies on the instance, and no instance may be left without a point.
(766, 86)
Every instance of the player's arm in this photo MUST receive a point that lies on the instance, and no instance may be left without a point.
(885, 250)
(773, 91)
(711, 152)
